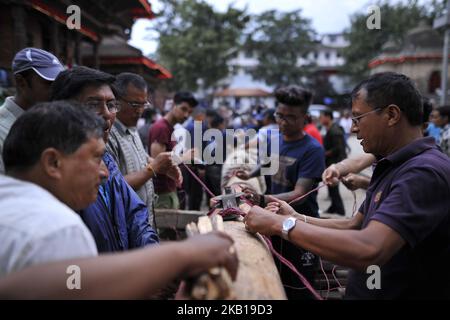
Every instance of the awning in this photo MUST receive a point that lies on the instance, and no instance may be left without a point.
(150, 64)
(403, 59)
(60, 17)
(242, 92)
(144, 12)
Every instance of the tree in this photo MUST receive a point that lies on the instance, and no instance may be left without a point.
(279, 40)
(196, 43)
(396, 21)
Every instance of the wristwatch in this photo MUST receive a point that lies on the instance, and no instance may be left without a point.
(288, 225)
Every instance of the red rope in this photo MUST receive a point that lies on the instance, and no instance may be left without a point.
(235, 211)
(326, 277)
(307, 194)
(335, 278)
(199, 180)
(293, 268)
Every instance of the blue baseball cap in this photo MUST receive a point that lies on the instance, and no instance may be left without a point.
(45, 64)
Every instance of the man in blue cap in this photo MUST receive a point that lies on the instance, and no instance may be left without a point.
(34, 71)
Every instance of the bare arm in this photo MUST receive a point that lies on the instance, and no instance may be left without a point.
(343, 224)
(282, 208)
(356, 249)
(131, 275)
(137, 179)
(156, 148)
(161, 164)
(303, 186)
(356, 181)
(356, 164)
(346, 166)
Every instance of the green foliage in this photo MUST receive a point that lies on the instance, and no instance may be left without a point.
(279, 40)
(196, 43)
(396, 21)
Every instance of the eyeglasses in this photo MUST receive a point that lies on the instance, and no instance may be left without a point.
(137, 105)
(97, 106)
(357, 119)
(288, 117)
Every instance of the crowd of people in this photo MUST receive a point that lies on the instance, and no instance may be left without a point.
(86, 159)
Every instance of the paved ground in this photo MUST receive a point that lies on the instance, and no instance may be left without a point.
(346, 194)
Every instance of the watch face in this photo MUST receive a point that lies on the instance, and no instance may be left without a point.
(288, 224)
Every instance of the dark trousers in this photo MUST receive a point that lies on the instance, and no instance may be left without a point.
(337, 206)
(304, 261)
(192, 189)
(213, 176)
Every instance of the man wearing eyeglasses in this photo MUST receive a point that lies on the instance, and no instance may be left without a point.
(126, 146)
(401, 230)
(301, 162)
(118, 219)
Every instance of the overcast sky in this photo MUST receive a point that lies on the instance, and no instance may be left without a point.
(327, 16)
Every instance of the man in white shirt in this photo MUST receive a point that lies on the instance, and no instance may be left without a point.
(52, 158)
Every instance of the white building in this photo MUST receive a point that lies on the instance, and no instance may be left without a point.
(326, 56)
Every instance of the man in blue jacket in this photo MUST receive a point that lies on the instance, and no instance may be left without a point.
(118, 220)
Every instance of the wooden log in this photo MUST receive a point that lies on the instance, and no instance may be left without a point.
(258, 277)
(216, 283)
(178, 219)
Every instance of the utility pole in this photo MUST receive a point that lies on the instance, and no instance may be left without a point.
(444, 22)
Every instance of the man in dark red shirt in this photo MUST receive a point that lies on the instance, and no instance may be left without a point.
(160, 140)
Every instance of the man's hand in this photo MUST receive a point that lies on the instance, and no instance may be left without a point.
(207, 251)
(213, 202)
(355, 181)
(263, 221)
(252, 195)
(163, 164)
(279, 207)
(331, 175)
(189, 156)
(175, 174)
(242, 174)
